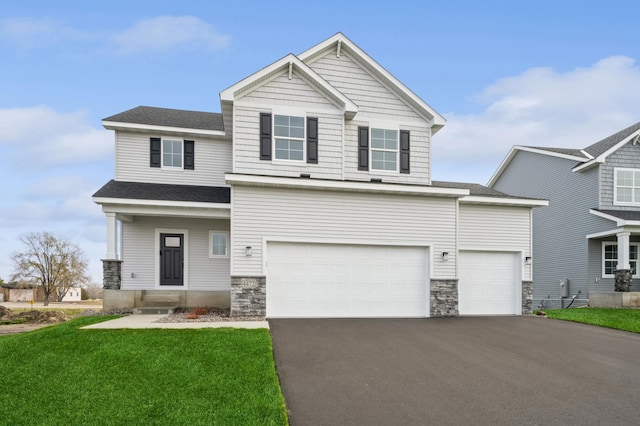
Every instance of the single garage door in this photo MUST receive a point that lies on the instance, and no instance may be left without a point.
(340, 280)
(489, 283)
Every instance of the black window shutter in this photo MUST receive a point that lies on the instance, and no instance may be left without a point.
(154, 152)
(363, 148)
(405, 147)
(265, 136)
(189, 155)
(312, 140)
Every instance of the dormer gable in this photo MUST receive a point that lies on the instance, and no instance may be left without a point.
(289, 64)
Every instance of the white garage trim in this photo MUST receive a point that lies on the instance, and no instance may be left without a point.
(490, 282)
(347, 280)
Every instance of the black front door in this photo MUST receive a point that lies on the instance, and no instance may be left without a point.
(171, 259)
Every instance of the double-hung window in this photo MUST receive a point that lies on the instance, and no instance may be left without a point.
(289, 137)
(171, 153)
(610, 259)
(384, 149)
(627, 186)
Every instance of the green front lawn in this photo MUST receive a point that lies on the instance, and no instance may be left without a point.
(62, 375)
(620, 319)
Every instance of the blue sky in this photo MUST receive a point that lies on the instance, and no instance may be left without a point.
(561, 73)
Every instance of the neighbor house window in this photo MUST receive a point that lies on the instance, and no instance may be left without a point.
(384, 149)
(627, 186)
(218, 243)
(289, 137)
(171, 153)
(610, 259)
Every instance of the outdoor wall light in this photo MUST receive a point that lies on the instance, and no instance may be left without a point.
(248, 251)
(527, 260)
(445, 256)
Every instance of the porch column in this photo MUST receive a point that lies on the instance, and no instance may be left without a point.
(623, 250)
(623, 269)
(112, 237)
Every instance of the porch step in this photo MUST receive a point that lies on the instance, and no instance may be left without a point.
(154, 310)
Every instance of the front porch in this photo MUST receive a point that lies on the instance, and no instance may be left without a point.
(169, 246)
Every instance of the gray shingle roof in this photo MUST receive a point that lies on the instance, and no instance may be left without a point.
(610, 141)
(170, 118)
(474, 189)
(622, 214)
(164, 192)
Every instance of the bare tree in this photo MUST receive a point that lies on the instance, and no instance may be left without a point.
(51, 262)
(94, 291)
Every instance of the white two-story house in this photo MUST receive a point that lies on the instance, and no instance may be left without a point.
(309, 195)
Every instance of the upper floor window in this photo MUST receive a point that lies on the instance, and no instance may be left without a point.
(289, 137)
(171, 153)
(384, 149)
(610, 259)
(627, 186)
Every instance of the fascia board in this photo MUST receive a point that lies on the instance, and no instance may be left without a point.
(380, 188)
(438, 120)
(116, 125)
(499, 201)
(161, 203)
(600, 159)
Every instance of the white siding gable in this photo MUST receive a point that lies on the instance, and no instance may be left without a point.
(287, 97)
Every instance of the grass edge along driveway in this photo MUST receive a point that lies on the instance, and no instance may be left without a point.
(64, 375)
(618, 319)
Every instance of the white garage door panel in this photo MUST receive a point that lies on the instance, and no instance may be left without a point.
(337, 280)
(489, 283)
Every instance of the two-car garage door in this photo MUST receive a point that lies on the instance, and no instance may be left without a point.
(346, 280)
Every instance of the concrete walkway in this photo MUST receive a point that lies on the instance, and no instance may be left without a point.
(149, 321)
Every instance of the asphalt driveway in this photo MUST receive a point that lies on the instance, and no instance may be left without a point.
(494, 370)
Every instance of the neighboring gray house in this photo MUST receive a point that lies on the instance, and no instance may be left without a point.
(310, 195)
(591, 227)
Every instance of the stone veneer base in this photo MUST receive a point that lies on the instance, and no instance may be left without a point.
(111, 274)
(444, 298)
(248, 296)
(527, 297)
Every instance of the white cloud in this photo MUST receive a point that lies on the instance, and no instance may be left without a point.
(540, 107)
(170, 32)
(30, 33)
(40, 136)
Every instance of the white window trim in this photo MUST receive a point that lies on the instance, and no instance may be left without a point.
(383, 126)
(289, 113)
(162, 165)
(615, 243)
(218, 256)
(185, 267)
(615, 187)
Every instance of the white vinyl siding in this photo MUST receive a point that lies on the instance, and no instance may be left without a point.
(493, 228)
(362, 88)
(247, 148)
(139, 255)
(375, 102)
(420, 141)
(326, 216)
(212, 161)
